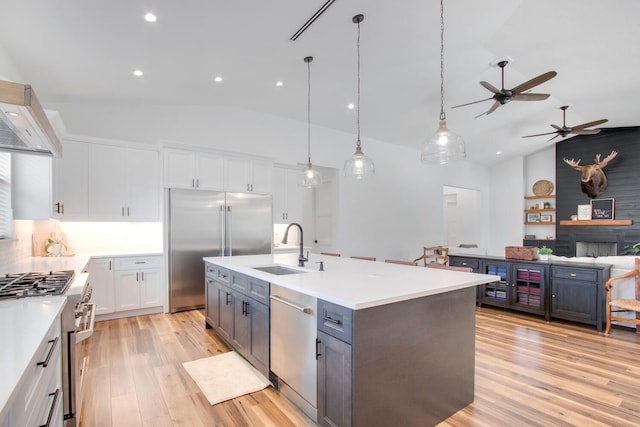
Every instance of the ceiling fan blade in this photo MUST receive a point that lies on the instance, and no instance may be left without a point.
(490, 110)
(585, 131)
(539, 134)
(588, 125)
(534, 82)
(530, 96)
(557, 127)
(551, 139)
(490, 87)
(469, 103)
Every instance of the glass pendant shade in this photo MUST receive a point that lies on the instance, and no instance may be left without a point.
(359, 165)
(309, 177)
(443, 147)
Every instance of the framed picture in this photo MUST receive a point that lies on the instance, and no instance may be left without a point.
(533, 217)
(584, 212)
(545, 218)
(602, 209)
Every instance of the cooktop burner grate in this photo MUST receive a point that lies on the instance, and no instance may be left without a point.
(35, 284)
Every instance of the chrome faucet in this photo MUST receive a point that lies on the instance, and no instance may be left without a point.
(301, 258)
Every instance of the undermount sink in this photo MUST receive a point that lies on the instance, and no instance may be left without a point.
(279, 270)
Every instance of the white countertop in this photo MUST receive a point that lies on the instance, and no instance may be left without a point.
(353, 283)
(25, 323)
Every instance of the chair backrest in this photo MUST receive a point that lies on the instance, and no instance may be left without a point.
(330, 253)
(398, 261)
(366, 258)
(449, 267)
(434, 254)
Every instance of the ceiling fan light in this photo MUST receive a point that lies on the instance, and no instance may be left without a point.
(309, 177)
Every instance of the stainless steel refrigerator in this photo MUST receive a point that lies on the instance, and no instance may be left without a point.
(209, 223)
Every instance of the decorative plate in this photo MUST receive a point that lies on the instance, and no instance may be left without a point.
(543, 188)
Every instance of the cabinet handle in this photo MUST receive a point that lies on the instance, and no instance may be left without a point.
(573, 275)
(122, 211)
(109, 265)
(140, 262)
(332, 320)
(142, 276)
(227, 302)
(245, 308)
(128, 214)
(45, 362)
(553, 295)
(251, 187)
(55, 395)
(197, 183)
(318, 353)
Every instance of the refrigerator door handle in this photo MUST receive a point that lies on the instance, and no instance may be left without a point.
(229, 231)
(221, 212)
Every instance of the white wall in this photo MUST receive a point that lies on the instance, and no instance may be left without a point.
(391, 215)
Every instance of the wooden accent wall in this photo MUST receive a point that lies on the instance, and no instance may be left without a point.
(623, 175)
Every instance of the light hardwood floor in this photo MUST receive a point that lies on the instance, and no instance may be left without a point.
(528, 373)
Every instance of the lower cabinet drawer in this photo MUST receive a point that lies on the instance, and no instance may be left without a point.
(134, 263)
(574, 273)
(335, 320)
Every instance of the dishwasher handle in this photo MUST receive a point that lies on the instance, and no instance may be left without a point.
(307, 310)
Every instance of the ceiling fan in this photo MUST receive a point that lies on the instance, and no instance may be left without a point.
(576, 130)
(502, 96)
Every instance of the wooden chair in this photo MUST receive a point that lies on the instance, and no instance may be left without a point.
(449, 267)
(330, 253)
(624, 305)
(398, 261)
(434, 254)
(366, 258)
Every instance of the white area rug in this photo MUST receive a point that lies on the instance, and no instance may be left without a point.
(225, 376)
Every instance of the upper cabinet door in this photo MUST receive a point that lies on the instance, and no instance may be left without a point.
(210, 172)
(248, 176)
(189, 169)
(70, 184)
(142, 187)
(107, 178)
(123, 184)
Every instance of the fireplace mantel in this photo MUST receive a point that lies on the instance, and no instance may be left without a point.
(597, 222)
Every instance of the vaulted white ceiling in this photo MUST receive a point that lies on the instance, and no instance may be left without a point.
(85, 51)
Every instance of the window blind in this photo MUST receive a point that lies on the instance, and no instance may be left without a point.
(5, 196)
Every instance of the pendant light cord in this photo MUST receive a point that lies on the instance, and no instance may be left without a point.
(442, 116)
(309, 111)
(358, 111)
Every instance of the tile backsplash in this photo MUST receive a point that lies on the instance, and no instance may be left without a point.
(13, 250)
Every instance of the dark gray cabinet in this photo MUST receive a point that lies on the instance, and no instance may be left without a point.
(577, 294)
(562, 290)
(237, 308)
(334, 381)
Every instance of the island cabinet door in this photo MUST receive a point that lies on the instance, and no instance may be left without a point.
(258, 345)
(241, 325)
(225, 301)
(213, 303)
(334, 381)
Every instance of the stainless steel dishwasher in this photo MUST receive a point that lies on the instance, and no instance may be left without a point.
(293, 346)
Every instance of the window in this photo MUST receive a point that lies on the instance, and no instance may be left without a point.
(5, 196)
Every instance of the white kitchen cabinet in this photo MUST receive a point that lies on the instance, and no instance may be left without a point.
(123, 184)
(248, 175)
(101, 278)
(70, 182)
(138, 283)
(287, 195)
(189, 169)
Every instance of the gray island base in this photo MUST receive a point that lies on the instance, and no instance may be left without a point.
(394, 345)
(414, 361)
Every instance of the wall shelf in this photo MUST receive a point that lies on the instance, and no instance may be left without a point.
(597, 222)
(541, 210)
(550, 196)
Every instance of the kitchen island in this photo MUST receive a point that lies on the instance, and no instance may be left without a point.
(396, 344)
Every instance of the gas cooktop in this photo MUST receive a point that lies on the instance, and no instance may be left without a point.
(35, 284)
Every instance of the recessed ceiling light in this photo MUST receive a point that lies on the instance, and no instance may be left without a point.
(279, 84)
(150, 17)
(498, 152)
(351, 106)
(138, 73)
(217, 79)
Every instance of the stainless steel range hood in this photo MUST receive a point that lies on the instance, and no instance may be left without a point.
(24, 126)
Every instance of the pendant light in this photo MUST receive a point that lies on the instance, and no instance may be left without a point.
(358, 166)
(309, 177)
(444, 146)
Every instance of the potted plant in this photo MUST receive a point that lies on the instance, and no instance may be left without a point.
(631, 249)
(544, 252)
